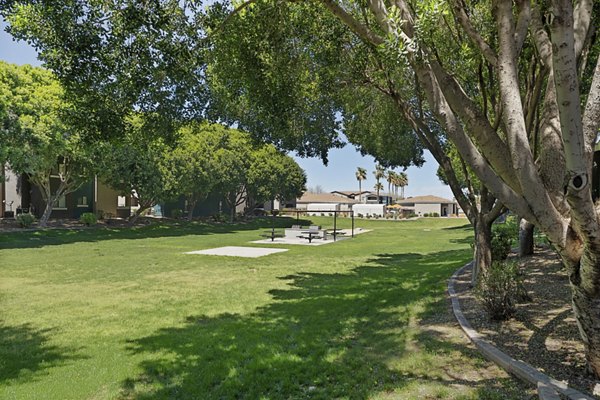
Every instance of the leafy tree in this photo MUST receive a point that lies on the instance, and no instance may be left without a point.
(192, 162)
(37, 140)
(361, 175)
(274, 175)
(137, 166)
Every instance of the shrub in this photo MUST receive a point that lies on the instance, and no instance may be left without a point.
(25, 220)
(426, 214)
(411, 215)
(359, 215)
(220, 217)
(499, 288)
(435, 214)
(176, 213)
(503, 237)
(88, 219)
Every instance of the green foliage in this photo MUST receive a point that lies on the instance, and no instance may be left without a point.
(137, 165)
(176, 213)
(25, 220)
(274, 175)
(504, 236)
(88, 219)
(37, 137)
(499, 288)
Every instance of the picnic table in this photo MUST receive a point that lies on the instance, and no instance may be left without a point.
(311, 235)
(335, 232)
(272, 235)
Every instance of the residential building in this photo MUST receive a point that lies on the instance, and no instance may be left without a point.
(422, 205)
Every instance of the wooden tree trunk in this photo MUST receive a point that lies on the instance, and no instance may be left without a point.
(526, 241)
(191, 206)
(586, 305)
(483, 247)
(48, 210)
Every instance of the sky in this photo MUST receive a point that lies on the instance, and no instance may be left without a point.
(340, 171)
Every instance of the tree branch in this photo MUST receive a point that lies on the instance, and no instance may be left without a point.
(359, 29)
(463, 19)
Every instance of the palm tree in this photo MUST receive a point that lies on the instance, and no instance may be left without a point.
(390, 180)
(361, 175)
(378, 186)
(379, 173)
(402, 181)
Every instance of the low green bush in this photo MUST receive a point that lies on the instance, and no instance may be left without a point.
(504, 236)
(499, 289)
(176, 213)
(25, 220)
(88, 219)
(435, 214)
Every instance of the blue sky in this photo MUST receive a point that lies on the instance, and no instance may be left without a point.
(338, 175)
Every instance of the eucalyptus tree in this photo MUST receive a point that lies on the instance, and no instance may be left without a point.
(37, 139)
(361, 175)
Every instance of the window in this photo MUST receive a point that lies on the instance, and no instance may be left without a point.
(121, 201)
(61, 202)
(82, 201)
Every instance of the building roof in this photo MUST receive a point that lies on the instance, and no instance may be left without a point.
(429, 199)
(323, 198)
(349, 193)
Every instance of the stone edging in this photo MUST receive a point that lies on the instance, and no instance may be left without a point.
(548, 388)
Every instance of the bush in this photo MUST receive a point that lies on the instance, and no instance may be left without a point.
(25, 220)
(359, 215)
(88, 219)
(426, 214)
(435, 214)
(176, 213)
(499, 289)
(503, 237)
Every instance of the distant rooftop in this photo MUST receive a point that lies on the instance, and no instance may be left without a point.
(324, 198)
(429, 199)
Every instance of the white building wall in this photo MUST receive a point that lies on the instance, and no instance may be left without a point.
(368, 209)
(321, 207)
(12, 196)
(421, 209)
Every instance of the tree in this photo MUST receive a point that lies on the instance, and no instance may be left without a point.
(361, 175)
(37, 140)
(536, 79)
(273, 175)
(192, 162)
(137, 167)
(379, 174)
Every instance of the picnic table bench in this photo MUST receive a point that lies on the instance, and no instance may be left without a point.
(311, 235)
(272, 235)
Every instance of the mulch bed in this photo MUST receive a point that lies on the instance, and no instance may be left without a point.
(543, 332)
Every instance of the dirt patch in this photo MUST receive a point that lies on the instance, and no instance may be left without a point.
(543, 332)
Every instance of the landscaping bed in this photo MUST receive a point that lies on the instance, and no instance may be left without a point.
(543, 332)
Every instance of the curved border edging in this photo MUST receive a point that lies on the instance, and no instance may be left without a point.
(522, 370)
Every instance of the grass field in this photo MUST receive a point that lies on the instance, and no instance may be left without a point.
(105, 314)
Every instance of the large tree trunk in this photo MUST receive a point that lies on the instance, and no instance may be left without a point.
(191, 206)
(483, 247)
(526, 241)
(586, 305)
(48, 210)
(143, 207)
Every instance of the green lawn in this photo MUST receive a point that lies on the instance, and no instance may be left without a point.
(104, 314)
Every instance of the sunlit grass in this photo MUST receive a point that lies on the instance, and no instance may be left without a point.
(103, 314)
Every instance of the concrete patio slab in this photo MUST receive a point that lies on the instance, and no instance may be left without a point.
(236, 251)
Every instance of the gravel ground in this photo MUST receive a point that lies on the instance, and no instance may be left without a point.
(543, 332)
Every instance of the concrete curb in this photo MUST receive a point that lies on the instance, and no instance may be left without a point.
(548, 388)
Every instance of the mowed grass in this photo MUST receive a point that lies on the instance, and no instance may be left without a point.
(124, 314)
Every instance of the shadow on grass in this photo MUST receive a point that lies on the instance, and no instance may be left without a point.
(25, 350)
(48, 237)
(327, 336)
